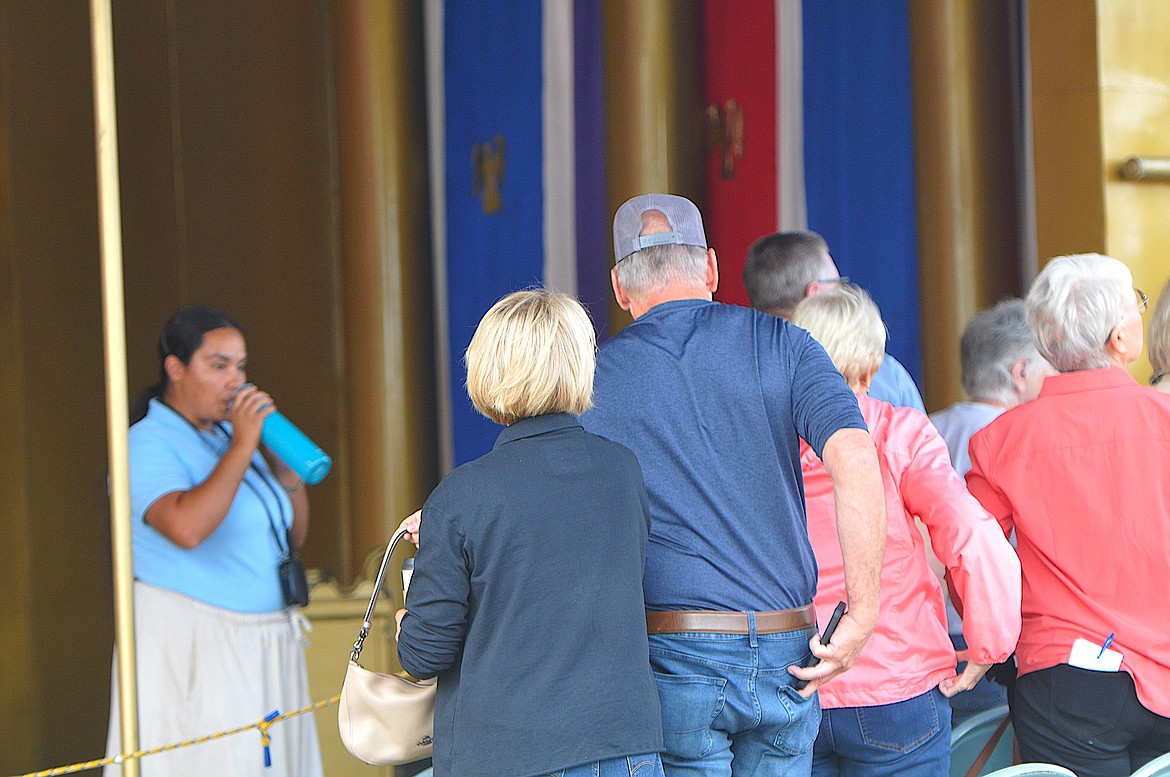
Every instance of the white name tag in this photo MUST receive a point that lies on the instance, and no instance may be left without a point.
(1086, 655)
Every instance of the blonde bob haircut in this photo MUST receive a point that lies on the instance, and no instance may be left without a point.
(533, 353)
(846, 321)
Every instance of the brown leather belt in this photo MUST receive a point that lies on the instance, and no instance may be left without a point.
(717, 621)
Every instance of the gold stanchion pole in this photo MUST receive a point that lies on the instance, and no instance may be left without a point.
(114, 332)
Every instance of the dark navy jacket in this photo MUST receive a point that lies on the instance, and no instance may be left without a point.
(526, 602)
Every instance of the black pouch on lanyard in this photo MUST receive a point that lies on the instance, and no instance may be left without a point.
(293, 583)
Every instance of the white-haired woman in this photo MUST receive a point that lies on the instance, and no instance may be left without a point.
(526, 600)
(889, 714)
(1080, 472)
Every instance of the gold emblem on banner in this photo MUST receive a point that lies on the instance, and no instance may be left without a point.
(725, 134)
(487, 164)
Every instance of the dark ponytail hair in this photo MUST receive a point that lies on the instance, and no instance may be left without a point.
(181, 337)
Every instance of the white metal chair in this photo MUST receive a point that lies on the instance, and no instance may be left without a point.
(973, 736)
(1033, 770)
(1159, 767)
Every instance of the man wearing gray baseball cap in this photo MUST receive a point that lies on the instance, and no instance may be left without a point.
(713, 399)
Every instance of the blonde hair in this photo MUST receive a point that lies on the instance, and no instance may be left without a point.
(1158, 337)
(533, 353)
(847, 322)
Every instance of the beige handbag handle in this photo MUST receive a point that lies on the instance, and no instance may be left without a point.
(365, 632)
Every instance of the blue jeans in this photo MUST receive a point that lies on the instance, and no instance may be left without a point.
(910, 738)
(728, 705)
(648, 765)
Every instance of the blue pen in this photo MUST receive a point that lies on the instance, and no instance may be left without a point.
(1108, 642)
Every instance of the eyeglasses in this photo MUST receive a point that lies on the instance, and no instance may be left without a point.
(838, 279)
(1142, 306)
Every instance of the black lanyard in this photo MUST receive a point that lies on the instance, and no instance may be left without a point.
(286, 547)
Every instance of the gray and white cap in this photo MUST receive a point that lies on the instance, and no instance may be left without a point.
(686, 225)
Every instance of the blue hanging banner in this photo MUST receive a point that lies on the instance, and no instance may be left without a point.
(859, 155)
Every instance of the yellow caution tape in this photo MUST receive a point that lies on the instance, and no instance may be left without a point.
(261, 725)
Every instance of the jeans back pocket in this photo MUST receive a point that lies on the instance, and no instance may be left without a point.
(690, 704)
(804, 720)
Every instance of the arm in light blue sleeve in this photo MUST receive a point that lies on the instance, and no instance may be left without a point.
(893, 384)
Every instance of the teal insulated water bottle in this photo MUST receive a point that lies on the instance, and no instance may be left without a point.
(295, 449)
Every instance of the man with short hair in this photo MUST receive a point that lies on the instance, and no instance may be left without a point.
(785, 267)
(713, 400)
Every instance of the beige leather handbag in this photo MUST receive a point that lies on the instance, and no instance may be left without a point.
(384, 719)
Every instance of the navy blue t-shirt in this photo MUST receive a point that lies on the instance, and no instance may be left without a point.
(713, 399)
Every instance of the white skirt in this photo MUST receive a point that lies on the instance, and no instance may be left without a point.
(202, 670)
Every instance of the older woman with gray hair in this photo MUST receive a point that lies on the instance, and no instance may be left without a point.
(889, 714)
(1080, 474)
(1001, 369)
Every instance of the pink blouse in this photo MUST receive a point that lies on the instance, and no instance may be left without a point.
(910, 651)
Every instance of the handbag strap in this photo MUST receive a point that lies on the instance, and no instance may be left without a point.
(989, 748)
(365, 632)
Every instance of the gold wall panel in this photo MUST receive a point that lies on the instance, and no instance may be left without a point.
(1066, 121)
(1101, 93)
(17, 684)
(56, 624)
(1135, 110)
(18, 741)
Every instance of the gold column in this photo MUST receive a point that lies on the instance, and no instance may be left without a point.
(654, 102)
(117, 393)
(1066, 119)
(963, 134)
(386, 266)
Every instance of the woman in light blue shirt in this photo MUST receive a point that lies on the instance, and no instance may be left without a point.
(218, 645)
